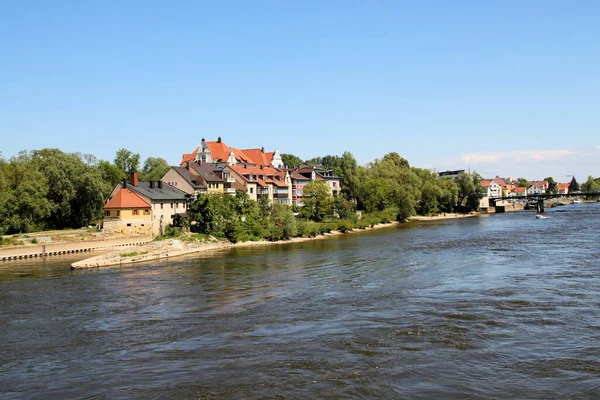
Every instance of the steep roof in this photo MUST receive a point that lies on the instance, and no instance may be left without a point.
(298, 176)
(219, 152)
(246, 169)
(259, 156)
(189, 177)
(126, 198)
(205, 171)
(188, 157)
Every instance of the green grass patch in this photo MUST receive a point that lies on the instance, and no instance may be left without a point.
(10, 241)
(133, 254)
(195, 238)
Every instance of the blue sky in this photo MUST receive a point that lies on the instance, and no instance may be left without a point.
(508, 88)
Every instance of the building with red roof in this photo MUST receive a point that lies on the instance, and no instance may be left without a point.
(127, 212)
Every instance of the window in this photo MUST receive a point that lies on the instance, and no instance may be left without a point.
(146, 212)
(161, 206)
(118, 213)
(251, 190)
(171, 205)
(107, 213)
(129, 224)
(135, 212)
(333, 184)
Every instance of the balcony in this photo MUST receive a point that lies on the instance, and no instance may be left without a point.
(230, 180)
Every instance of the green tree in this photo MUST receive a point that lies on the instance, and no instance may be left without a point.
(552, 185)
(345, 209)
(318, 202)
(127, 161)
(154, 168)
(111, 175)
(522, 182)
(349, 173)
(291, 161)
(75, 189)
(470, 191)
(590, 185)
(24, 205)
(573, 185)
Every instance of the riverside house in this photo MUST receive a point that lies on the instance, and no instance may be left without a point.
(159, 202)
(262, 181)
(494, 189)
(196, 177)
(563, 188)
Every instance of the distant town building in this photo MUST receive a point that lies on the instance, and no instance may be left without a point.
(451, 174)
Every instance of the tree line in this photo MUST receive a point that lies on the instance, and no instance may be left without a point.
(51, 189)
(384, 190)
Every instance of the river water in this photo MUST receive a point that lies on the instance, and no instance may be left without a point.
(503, 306)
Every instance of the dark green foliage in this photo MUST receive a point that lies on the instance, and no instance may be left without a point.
(127, 161)
(291, 161)
(344, 208)
(573, 185)
(522, 182)
(590, 185)
(318, 202)
(154, 168)
(552, 185)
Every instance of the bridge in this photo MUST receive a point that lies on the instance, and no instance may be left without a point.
(541, 197)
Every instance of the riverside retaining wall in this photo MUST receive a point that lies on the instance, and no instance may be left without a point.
(52, 249)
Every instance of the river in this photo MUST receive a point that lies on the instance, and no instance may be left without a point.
(502, 306)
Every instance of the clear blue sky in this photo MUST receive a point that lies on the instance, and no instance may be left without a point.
(509, 87)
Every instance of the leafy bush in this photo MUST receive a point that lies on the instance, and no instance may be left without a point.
(344, 225)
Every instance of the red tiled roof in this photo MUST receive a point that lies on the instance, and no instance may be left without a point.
(219, 151)
(259, 156)
(244, 170)
(519, 189)
(261, 182)
(125, 198)
(188, 157)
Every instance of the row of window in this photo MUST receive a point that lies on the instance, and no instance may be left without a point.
(145, 212)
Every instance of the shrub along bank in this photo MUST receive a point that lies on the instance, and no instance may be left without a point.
(240, 219)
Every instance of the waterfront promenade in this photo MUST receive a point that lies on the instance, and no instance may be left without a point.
(50, 249)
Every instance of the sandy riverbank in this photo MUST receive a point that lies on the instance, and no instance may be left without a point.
(444, 216)
(174, 248)
(170, 248)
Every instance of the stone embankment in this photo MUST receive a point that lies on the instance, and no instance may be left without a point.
(52, 249)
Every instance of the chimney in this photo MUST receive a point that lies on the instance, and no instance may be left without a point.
(261, 167)
(262, 149)
(134, 179)
(160, 184)
(219, 139)
(151, 184)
